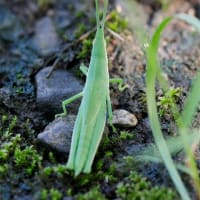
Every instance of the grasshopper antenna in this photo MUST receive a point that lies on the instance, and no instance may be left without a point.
(104, 13)
(97, 13)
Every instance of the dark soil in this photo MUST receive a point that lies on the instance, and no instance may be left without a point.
(20, 61)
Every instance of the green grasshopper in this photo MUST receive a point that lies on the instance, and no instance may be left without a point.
(95, 104)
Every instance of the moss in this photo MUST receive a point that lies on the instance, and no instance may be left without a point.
(116, 22)
(130, 161)
(58, 171)
(27, 159)
(44, 194)
(52, 158)
(7, 127)
(7, 148)
(92, 194)
(13, 153)
(135, 187)
(125, 135)
(80, 14)
(166, 101)
(44, 4)
(3, 170)
(80, 30)
(55, 194)
(52, 194)
(86, 48)
(4, 154)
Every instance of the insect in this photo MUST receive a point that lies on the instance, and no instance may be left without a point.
(95, 104)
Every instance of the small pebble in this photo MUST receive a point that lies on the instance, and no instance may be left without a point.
(124, 118)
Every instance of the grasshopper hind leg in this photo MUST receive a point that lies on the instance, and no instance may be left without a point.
(96, 138)
(66, 102)
(75, 141)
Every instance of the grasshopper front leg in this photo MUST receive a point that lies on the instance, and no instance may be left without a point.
(119, 81)
(109, 110)
(66, 102)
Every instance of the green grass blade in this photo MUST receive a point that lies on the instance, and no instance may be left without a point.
(189, 111)
(149, 158)
(189, 19)
(193, 97)
(191, 102)
(174, 145)
(152, 65)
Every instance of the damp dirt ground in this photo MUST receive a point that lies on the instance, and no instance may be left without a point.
(29, 170)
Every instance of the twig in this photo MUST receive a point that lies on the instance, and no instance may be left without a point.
(81, 38)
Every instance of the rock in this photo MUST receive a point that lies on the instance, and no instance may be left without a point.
(135, 149)
(52, 91)
(5, 95)
(57, 135)
(131, 151)
(64, 19)
(5, 192)
(46, 39)
(68, 198)
(10, 27)
(197, 10)
(22, 197)
(123, 118)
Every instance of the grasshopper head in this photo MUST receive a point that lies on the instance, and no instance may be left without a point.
(101, 21)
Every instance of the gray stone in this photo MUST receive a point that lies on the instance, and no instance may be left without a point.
(22, 197)
(135, 149)
(10, 26)
(57, 135)
(124, 118)
(5, 94)
(52, 91)
(45, 40)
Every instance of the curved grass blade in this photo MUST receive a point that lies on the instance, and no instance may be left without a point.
(151, 73)
(175, 145)
(190, 107)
